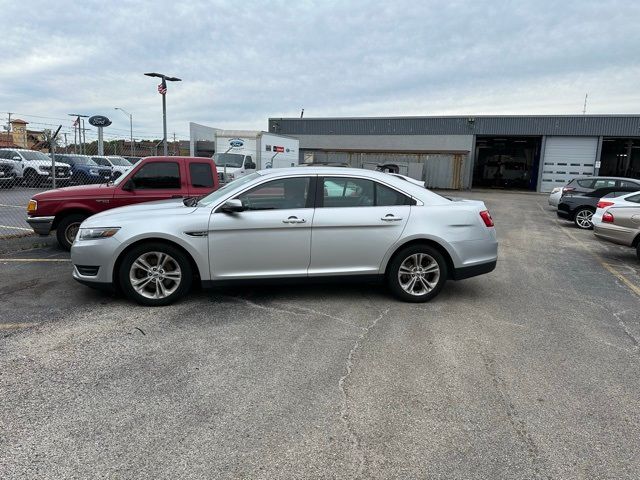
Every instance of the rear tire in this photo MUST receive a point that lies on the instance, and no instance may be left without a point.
(31, 179)
(67, 229)
(417, 273)
(638, 250)
(155, 274)
(582, 218)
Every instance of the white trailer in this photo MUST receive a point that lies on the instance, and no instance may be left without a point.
(239, 152)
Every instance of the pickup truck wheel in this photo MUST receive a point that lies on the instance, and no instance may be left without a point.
(155, 274)
(67, 229)
(31, 178)
(417, 273)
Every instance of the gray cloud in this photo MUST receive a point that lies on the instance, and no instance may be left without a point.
(245, 61)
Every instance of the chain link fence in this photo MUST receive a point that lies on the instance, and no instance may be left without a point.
(25, 172)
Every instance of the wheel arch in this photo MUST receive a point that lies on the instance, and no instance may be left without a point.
(69, 211)
(423, 241)
(116, 266)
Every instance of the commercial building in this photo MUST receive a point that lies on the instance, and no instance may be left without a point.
(535, 152)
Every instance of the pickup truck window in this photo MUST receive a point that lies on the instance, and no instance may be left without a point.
(201, 175)
(157, 175)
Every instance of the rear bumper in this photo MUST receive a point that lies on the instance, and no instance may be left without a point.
(40, 225)
(474, 270)
(615, 234)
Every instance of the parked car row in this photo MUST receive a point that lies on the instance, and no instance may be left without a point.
(34, 169)
(608, 205)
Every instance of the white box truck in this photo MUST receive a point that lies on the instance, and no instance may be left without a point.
(240, 152)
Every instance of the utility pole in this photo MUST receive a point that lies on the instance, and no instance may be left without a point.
(65, 143)
(9, 124)
(175, 148)
(584, 108)
(133, 145)
(80, 122)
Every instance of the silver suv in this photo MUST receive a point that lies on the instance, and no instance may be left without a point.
(294, 224)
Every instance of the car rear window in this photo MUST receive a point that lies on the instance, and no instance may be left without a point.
(201, 175)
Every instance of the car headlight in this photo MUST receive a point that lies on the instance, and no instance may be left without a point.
(93, 171)
(32, 206)
(95, 233)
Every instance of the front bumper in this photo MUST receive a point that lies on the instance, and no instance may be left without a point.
(91, 254)
(41, 225)
(564, 214)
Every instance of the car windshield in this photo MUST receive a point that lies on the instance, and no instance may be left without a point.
(31, 155)
(213, 197)
(228, 159)
(119, 161)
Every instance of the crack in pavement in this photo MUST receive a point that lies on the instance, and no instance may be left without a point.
(518, 424)
(356, 444)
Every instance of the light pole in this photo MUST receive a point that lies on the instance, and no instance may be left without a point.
(162, 90)
(133, 146)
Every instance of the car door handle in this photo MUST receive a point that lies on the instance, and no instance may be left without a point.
(294, 220)
(391, 218)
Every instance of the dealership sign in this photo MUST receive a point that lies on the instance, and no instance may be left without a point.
(236, 143)
(99, 121)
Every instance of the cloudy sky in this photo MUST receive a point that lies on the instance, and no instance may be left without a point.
(243, 61)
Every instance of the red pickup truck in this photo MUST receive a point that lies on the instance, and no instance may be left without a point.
(153, 178)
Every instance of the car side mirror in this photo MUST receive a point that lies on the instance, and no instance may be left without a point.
(128, 186)
(249, 166)
(232, 206)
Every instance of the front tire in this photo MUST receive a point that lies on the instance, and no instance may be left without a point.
(155, 274)
(638, 250)
(67, 229)
(417, 273)
(31, 179)
(582, 218)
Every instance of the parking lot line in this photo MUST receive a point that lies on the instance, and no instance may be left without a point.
(34, 260)
(607, 266)
(9, 326)
(12, 206)
(15, 228)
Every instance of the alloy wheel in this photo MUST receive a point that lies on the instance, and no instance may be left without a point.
(155, 275)
(419, 274)
(583, 218)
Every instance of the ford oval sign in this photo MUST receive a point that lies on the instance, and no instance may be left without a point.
(99, 121)
(236, 143)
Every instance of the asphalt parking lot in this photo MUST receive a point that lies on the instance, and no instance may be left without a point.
(531, 371)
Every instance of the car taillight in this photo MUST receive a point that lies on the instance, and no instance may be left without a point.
(607, 217)
(604, 204)
(486, 218)
(568, 189)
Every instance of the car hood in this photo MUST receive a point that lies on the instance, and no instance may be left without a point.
(76, 192)
(140, 211)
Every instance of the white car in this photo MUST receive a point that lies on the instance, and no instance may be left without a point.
(555, 196)
(34, 167)
(606, 203)
(119, 165)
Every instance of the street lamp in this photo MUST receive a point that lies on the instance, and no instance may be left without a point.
(133, 145)
(162, 90)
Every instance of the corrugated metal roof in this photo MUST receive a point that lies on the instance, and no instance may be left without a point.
(578, 125)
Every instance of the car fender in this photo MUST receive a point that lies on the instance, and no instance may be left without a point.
(189, 244)
(455, 258)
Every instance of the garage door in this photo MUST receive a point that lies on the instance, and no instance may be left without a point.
(566, 158)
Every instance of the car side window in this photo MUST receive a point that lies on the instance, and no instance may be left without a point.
(386, 196)
(281, 194)
(347, 192)
(157, 175)
(584, 183)
(628, 184)
(633, 199)
(201, 175)
(602, 183)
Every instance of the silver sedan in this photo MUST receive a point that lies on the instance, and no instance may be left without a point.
(289, 224)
